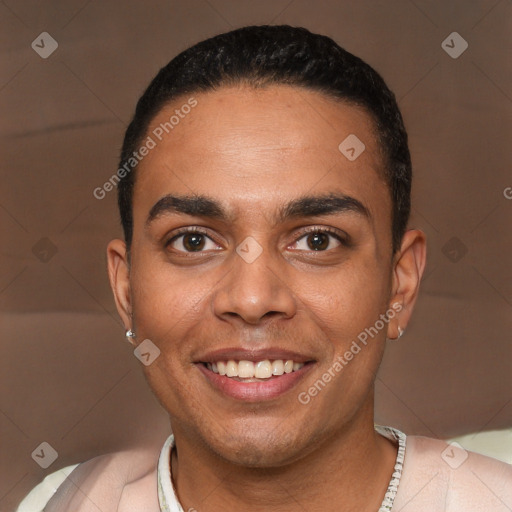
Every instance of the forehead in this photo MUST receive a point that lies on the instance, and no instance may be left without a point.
(251, 148)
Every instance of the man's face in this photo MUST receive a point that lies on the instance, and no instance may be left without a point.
(262, 280)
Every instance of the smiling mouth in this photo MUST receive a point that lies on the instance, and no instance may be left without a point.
(253, 371)
(253, 379)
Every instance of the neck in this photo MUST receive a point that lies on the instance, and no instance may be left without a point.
(352, 467)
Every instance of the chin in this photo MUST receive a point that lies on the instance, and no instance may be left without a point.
(256, 448)
(254, 455)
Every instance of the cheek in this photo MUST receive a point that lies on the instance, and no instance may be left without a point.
(347, 301)
(165, 302)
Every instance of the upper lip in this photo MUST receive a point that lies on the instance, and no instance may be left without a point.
(240, 354)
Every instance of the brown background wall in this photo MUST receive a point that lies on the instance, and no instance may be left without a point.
(68, 378)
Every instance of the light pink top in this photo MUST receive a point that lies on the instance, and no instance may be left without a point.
(429, 476)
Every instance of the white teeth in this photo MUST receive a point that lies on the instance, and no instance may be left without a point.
(231, 369)
(221, 367)
(278, 367)
(263, 369)
(248, 369)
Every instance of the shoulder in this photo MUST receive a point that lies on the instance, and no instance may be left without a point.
(445, 477)
(123, 481)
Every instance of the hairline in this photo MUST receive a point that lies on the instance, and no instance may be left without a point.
(383, 170)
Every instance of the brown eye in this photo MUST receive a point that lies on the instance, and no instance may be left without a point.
(191, 241)
(318, 241)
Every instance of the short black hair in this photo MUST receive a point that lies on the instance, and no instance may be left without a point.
(278, 54)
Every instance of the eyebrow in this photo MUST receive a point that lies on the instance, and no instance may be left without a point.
(305, 206)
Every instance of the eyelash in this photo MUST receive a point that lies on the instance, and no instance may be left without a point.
(343, 239)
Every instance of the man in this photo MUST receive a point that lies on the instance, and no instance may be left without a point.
(264, 195)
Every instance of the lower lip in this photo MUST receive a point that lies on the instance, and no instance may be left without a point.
(255, 391)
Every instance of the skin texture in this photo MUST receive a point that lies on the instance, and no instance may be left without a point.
(254, 150)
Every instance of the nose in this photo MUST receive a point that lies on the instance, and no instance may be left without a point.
(254, 291)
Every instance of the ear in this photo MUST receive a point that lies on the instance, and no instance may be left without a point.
(408, 267)
(119, 276)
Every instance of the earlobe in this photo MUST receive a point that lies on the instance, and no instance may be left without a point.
(119, 276)
(407, 273)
